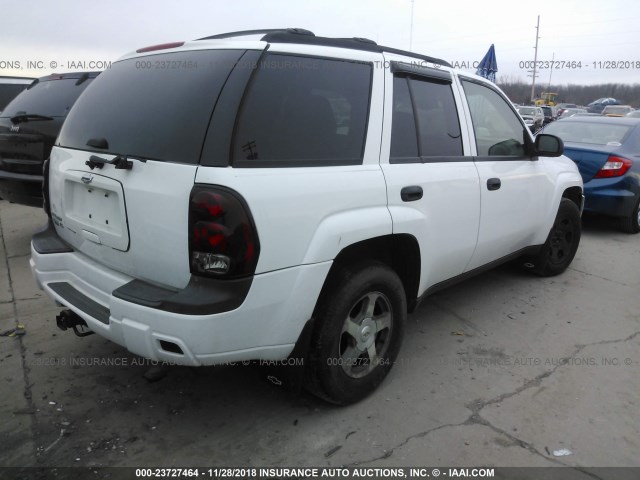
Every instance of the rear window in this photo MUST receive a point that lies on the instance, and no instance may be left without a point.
(303, 111)
(52, 98)
(592, 133)
(527, 111)
(156, 107)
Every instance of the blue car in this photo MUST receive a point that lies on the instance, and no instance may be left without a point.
(607, 152)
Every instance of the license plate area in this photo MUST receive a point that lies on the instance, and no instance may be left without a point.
(94, 209)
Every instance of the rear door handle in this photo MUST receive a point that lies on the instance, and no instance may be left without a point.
(411, 194)
(493, 184)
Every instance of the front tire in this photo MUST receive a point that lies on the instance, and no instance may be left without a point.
(562, 243)
(359, 329)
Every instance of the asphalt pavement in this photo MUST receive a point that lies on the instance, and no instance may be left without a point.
(505, 369)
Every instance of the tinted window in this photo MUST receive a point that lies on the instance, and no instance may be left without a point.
(304, 110)
(428, 108)
(498, 130)
(155, 107)
(437, 118)
(9, 91)
(404, 142)
(53, 98)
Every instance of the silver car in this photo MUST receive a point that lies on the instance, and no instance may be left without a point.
(533, 117)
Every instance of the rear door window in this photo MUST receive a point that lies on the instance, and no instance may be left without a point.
(156, 107)
(425, 121)
(303, 111)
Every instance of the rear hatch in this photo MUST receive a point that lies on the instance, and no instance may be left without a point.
(30, 124)
(149, 116)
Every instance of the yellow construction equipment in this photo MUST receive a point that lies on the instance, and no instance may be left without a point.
(547, 98)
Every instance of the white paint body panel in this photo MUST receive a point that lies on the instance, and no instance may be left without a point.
(304, 218)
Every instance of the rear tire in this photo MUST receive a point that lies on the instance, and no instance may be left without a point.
(631, 224)
(562, 243)
(358, 332)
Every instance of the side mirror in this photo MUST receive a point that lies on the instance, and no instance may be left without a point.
(549, 145)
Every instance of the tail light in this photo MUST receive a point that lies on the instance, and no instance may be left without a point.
(615, 167)
(223, 241)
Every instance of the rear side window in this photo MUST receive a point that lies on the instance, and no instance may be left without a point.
(303, 111)
(52, 98)
(156, 107)
(9, 89)
(425, 120)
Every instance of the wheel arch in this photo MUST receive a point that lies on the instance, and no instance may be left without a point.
(575, 195)
(400, 252)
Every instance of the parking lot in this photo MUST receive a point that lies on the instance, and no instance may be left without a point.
(506, 369)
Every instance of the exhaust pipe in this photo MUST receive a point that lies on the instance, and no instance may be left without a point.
(69, 319)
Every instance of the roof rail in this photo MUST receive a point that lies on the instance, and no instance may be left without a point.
(306, 37)
(353, 43)
(267, 31)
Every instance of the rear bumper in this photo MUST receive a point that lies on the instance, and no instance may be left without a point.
(265, 324)
(21, 188)
(611, 196)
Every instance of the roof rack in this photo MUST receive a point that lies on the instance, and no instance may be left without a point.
(306, 37)
(244, 33)
(355, 43)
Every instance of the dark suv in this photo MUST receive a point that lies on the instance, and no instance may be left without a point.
(10, 87)
(29, 126)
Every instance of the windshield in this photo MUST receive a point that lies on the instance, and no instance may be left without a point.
(527, 111)
(592, 133)
(156, 107)
(50, 98)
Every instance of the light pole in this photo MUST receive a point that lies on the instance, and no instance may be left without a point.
(411, 29)
(535, 62)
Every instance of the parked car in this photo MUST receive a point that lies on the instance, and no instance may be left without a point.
(570, 112)
(263, 207)
(533, 117)
(29, 126)
(607, 152)
(616, 110)
(634, 114)
(550, 114)
(598, 105)
(561, 107)
(10, 87)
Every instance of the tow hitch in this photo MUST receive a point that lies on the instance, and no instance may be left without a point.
(68, 319)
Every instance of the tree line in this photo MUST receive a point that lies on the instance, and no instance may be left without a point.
(520, 92)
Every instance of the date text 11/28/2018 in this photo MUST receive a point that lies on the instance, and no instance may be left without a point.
(580, 65)
(371, 473)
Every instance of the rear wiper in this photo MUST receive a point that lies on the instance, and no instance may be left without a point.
(120, 162)
(25, 117)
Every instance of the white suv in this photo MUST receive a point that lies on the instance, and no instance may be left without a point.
(234, 197)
